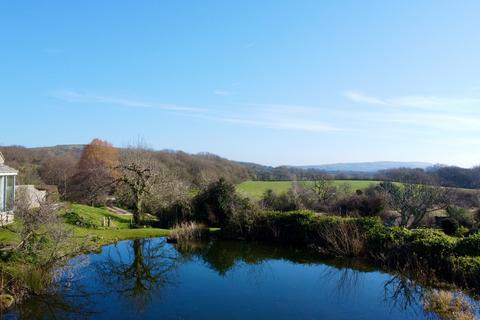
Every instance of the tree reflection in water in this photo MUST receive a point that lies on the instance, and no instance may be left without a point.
(58, 305)
(67, 299)
(346, 280)
(224, 256)
(140, 272)
(346, 276)
(402, 292)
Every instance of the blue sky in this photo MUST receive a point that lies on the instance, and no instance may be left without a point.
(273, 82)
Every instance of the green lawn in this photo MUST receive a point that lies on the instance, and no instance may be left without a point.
(255, 189)
(119, 228)
(8, 237)
(106, 236)
(97, 215)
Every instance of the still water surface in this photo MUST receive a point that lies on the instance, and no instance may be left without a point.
(151, 279)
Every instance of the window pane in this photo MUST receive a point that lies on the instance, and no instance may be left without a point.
(10, 194)
(2, 194)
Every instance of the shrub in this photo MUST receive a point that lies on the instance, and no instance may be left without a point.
(427, 253)
(364, 205)
(369, 223)
(431, 244)
(462, 231)
(215, 203)
(347, 206)
(449, 226)
(282, 226)
(469, 246)
(390, 218)
(33, 277)
(399, 246)
(241, 220)
(178, 212)
(330, 235)
(74, 218)
(466, 270)
(283, 202)
(461, 215)
(384, 239)
(371, 205)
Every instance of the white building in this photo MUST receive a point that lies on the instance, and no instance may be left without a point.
(7, 191)
(30, 195)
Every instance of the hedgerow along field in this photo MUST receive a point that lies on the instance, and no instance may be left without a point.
(255, 189)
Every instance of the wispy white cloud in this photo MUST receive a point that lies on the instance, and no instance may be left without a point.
(435, 115)
(274, 116)
(296, 125)
(296, 110)
(75, 96)
(438, 121)
(224, 93)
(414, 101)
(80, 97)
(357, 96)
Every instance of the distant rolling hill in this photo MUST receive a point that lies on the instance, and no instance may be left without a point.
(367, 166)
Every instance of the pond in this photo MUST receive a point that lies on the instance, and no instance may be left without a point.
(151, 279)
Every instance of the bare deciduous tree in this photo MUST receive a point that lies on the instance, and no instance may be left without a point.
(137, 179)
(414, 201)
(58, 171)
(324, 189)
(145, 184)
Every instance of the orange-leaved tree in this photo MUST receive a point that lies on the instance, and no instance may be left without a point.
(96, 173)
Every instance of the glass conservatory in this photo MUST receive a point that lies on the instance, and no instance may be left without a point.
(7, 188)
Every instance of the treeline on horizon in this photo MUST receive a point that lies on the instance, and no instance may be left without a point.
(447, 176)
(47, 165)
(56, 165)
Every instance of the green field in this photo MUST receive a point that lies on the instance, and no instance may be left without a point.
(255, 189)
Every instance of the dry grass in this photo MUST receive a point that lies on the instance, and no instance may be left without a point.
(188, 231)
(341, 239)
(448, 305)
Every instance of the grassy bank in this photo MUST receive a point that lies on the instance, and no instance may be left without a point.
(27, 267)
(87, 225)
(255, 189)
(103, 237)
(422, 253)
